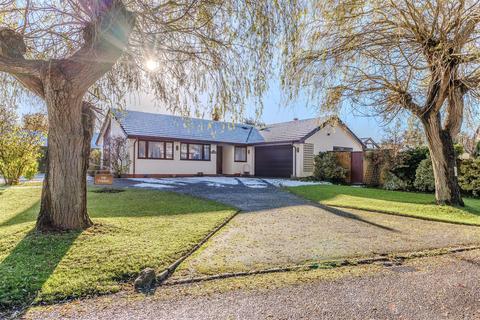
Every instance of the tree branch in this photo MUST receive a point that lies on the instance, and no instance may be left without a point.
(105, 41)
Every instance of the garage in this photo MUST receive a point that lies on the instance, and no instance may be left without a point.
(274, 161)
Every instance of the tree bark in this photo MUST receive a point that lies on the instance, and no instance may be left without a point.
(442, 154)
(64, 194)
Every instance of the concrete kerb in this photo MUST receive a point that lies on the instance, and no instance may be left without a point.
(395, 258)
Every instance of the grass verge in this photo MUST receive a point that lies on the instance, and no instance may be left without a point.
(417, 205)
(133, 229)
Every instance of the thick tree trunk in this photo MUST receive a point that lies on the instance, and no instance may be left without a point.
(442, 153)
(64, 194)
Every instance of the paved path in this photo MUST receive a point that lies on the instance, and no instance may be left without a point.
(445, 287)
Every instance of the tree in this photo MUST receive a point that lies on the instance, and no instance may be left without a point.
(19, 153)
(78, 56)
(392, 57)
(119, 156)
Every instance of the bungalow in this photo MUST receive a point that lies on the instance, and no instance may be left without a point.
(167, 145)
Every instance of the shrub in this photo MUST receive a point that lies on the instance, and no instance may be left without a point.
(407, 163)
(19, 153)
(119, 157)
(424, 179)
(94, 161)
(328, 168)
(469, 178)
(392, 182)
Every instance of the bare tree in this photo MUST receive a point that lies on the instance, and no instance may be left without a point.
(75, 54)
(118, 156)
(395, 56)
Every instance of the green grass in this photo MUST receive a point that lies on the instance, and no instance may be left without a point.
(133, 229)
(411, 204)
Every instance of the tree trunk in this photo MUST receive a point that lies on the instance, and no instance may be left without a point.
(64, 194)
(442, 154)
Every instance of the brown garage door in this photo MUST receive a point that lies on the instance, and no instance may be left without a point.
(274, 161)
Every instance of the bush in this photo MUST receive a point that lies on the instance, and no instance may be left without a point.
(392, 182)
(469, 178)
(424, 179)
(327, 168)
(407, 163)
(19, 153)
(94, 161)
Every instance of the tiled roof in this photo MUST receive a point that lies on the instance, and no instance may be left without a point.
(142, 124)
(137, 123)
(290, 131)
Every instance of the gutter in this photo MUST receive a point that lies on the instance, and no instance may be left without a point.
(134, 154)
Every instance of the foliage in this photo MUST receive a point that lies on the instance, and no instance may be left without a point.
(469, 178)
(119, 155)
(327, 168)
(392, 182)
(459, 149)
(95, 161)
(19, 152)
(375, 162)
(391, 58)
(36, 122)
(396, 202)
(133, 229)
(401, 170)
(193, 56)
(424, 179)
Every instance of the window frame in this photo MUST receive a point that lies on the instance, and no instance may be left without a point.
(164, 150)
(202, 151)
(342, 149)
(235, 151)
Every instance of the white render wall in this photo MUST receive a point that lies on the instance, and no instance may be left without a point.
(324, 140)
(237, 168)
(175, 166)
(330, 136)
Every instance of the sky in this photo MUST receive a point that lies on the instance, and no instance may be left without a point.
(274, 111)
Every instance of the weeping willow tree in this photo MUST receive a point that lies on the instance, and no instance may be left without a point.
(390, 57)
(77, 55)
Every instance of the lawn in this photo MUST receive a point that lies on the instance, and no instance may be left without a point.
(133, 229)
(396, 202)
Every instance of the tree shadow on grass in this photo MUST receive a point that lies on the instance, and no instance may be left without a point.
(28, 266)
(328, 192)
(27, 215)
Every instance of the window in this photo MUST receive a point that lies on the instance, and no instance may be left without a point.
(240, 154)
(191, 151)
(335, 148)
(155, 150)
(142, 147)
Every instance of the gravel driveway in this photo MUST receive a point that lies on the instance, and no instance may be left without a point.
(277, 228)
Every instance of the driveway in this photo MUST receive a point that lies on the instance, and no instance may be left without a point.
(246, 194)
(277, 228)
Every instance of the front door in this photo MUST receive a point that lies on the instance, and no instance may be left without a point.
(219, 159)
